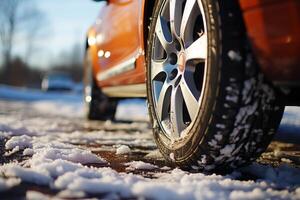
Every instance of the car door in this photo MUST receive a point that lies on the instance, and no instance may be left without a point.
(119, 43)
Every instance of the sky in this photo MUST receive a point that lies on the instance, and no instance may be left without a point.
(66, 24)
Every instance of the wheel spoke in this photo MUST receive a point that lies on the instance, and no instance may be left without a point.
(163, 33)
(157, 67)
(163, 101)
(176, 115)
(190, 98)
(187, 14)
(198, 49)
(175, 16)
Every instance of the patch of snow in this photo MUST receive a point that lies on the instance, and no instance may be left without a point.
(140, 165)
(26, 174)
(56, 150)
(203, 160)
(96, 181)
(224, 117)
(213, 143)
(244, 112)
(232, 79)
(254, 194)
(227, 150)
(174, 185)
(219, 136)
(226, 105)
(28, 152)
(14, 150)
(165, 168)
(8, 183)
(21, 142)
(50, 159)
(221, 126)
(248, 88)
(69, 194)
(35, 195)
(123, 149)
(233, 99)
(233, 55)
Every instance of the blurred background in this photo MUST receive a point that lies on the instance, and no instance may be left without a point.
(42, 44)
(42, 37)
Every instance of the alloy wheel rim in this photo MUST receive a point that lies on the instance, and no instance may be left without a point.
(178, 65)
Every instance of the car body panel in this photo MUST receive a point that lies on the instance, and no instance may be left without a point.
(119, 21)
(273, 27)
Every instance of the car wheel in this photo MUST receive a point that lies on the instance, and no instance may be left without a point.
(210, 106)
(97, 105)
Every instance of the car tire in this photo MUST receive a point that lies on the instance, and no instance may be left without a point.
(211, 108)
(97, 105)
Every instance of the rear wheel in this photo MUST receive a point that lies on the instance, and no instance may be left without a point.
(97, 105)
(210, 107)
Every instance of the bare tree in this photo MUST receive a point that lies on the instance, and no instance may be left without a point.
(34, 23)
(17, 17)
(8, 21)
(71, 61)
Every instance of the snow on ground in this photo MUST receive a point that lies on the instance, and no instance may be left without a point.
(60, 108)
(140, 165)
(51, 145)
(123, 149)
(58, 171)
(132, 110)
(70, 104)
(7, 183)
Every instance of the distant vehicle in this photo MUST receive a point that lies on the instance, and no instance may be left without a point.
(217, 74)
(57, 82)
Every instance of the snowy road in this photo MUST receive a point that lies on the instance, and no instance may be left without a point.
(48, 150)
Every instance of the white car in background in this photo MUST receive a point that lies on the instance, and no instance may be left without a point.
(57, 82)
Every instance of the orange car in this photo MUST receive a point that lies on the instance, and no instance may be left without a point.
(216, 73)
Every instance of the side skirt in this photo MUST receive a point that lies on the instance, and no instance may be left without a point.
(137, 90)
